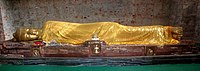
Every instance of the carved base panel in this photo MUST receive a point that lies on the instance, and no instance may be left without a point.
(97, 53)
(27, 49)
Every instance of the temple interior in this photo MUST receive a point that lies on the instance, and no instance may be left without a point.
(165, 31)
(34, 13)
(123, 22)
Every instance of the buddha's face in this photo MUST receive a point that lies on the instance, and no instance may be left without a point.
(26, 34)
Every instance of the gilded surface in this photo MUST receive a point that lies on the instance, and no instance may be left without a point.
(110, 32)
(27, 34)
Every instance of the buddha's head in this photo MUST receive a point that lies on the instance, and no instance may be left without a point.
(26, 34)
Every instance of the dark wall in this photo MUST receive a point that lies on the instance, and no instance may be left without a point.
(34, 13)
(197, 28)
(185, 13)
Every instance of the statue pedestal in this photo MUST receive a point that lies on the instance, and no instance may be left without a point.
(96, 52)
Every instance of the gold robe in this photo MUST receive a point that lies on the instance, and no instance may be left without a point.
(110, 32)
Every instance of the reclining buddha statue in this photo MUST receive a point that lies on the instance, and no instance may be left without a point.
(110, 32)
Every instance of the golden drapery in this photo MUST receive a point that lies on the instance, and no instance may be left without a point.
(110, 32)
